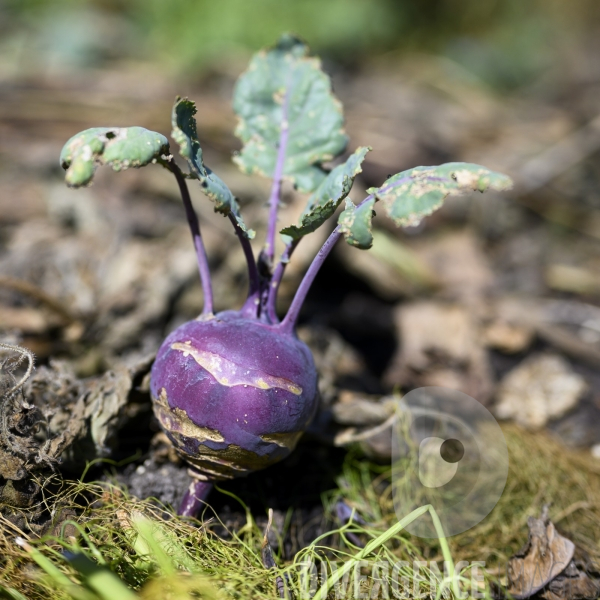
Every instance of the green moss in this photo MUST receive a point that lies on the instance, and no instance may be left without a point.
(162, 556)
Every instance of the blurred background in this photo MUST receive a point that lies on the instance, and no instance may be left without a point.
(495, 295)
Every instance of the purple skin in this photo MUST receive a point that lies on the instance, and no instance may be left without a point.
(233, 394)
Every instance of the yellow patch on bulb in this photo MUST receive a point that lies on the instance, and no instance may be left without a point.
(218, 366)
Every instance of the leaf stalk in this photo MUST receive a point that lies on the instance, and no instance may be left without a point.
(251, 305)
(194, 225)
(275, 197)
(276, 281)
(289, 322)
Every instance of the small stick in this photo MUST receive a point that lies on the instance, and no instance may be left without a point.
(37, 293)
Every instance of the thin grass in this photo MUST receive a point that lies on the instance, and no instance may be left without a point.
(120, 547)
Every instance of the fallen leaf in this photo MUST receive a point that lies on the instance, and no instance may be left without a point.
(541, 388)
(544, 556)
(440, 345)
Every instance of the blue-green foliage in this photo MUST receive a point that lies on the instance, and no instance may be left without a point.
(184, 133)
(118, 147)
(328, 196)
(284, 100)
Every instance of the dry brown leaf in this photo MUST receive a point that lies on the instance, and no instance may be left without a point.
(460, 265)
(541, 388)
(544, 556)
(441, 346)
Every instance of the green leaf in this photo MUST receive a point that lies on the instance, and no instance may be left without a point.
(355, 223)
(11, 593)
(411, 195)
(118, 147)
(100, 579)
(285, 92)
(58, 578)
(328, 196)
(185, 134)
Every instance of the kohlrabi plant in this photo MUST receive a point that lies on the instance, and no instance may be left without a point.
(234, 390)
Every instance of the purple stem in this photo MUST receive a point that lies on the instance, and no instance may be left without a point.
(276, 281)
(275, 196)
(201, 256)
(344, 513)
(289, 322)
(250, 306)
(194, 498)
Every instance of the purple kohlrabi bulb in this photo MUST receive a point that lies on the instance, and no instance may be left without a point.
(233, 394)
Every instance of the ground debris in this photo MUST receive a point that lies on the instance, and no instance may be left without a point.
(334, 356)
(84, 414)
(19, 420)
(550, 566)
(542, 388)
(440, 346)
(268, 560)
(362, 410)
(51, 418)
(368, 422)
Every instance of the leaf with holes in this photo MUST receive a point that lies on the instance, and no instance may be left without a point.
(285, 107)
(355, 223)
(184, 133)
(328, 196)
(118, 147)
(411, 195)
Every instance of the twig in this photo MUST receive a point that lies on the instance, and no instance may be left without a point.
(560, 157)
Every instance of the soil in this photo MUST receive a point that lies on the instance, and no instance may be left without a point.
(92, 280)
